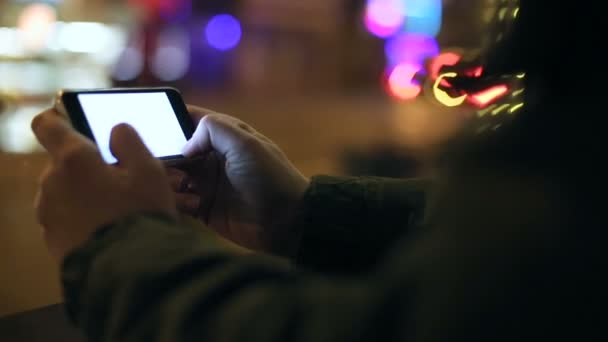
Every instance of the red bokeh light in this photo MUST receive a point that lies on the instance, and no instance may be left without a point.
(155, 7)
(475, 72)
(401, 84)
(444, 59)
(486, 97)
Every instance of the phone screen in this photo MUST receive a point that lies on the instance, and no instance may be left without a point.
(151, 114)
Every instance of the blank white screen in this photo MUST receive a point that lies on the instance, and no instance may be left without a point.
(151, 114)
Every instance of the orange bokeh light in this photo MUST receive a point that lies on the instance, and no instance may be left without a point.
(36, 22)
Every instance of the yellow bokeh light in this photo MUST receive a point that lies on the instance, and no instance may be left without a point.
(516, 108)
(500, 108)
(501, 13)
(443, 96)
(485, 111)
(517, 92)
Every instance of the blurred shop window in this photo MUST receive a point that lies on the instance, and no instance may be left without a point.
(246, 46)
(44, 48)
(293, 46)
(15, 133)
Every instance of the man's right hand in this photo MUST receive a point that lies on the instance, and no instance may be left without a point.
(243, 186)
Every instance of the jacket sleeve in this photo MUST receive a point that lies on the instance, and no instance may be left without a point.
(493, 276)
(348, 224)
(150, 279)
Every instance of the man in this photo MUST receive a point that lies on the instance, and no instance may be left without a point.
(510, 250)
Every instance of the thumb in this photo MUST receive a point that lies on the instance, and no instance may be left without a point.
(128, 147)
(218, 132)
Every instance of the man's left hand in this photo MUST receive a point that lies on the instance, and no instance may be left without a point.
(79, 193)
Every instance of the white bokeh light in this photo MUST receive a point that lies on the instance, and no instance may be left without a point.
(170, 63)
(130, 65)
(171, 60)
(15, 133)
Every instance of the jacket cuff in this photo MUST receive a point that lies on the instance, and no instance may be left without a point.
(348, 224)
(333, 209)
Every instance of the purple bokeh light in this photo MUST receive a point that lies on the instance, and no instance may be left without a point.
(384, 18)
(413, 48)
(223, 32)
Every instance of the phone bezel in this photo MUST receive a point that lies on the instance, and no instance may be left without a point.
(68, 100)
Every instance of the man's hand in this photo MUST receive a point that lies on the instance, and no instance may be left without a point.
(79, 193)
(243, 187)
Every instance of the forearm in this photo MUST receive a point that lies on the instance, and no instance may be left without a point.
(147, 279)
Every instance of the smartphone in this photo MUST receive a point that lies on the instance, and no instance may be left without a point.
(159, 115)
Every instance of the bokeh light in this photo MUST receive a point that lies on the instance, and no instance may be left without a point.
(15, 133)
(84, 37)
(423, 16)
(171, 60)
(444, 59)
(36, 23)
(172, 10)
(488, 96)
(130, 64)
(474, 72)
(410, 28)
(442, 96)
(411, 48)
(10, 44)
(401, 83)
(170, 63)
(384, 18)
(223, 32)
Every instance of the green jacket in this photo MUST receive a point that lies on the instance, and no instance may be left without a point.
(365, 271)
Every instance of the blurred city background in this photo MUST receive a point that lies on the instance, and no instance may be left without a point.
(343, 86)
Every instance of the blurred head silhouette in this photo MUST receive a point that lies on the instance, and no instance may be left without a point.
(558, 47)
(555, 140)
(553, 42)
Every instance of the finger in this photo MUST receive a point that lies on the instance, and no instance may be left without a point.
(200, 142)
(42, 200)
(197, 113)
(220, 133)
(179, 180)
(263, 137)
(129, 149)
(55, 134)
(211, 177)
(207, 174)
(39, 208)
(45, 174)
(188, 203)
